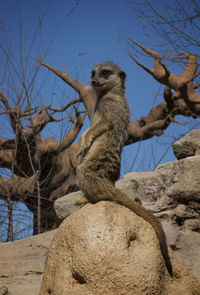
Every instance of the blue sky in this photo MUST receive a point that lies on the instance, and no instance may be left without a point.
(96, 31)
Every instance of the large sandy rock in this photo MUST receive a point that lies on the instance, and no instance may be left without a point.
(22, 264)
(106, 249)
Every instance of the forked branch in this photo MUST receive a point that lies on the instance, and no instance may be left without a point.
(86, 92)
(161, 73)
(184, 101)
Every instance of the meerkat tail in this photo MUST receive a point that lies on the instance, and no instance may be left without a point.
(122, 199)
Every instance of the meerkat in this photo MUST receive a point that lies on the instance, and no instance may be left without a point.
(101, 146)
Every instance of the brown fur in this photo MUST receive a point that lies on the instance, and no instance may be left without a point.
(101, 146)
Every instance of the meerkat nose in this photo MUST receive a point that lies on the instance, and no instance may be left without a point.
(94, 82)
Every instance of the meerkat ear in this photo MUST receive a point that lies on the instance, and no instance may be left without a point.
(123, 78)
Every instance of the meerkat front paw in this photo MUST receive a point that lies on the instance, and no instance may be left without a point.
(83, 152)
(81, 201)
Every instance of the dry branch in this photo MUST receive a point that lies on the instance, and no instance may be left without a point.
(86, 92)
(72, 102)
(161, 73)
(185, 101)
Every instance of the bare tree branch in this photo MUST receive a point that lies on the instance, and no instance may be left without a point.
(86, 92)
(185, 101)
(17, 186)
(76, 100)
(163, 75)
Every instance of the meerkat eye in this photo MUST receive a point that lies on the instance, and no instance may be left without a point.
(92, 74)
(105, 74)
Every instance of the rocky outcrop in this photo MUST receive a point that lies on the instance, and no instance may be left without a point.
(3, 290)
(107, 249)
(22, 264)
(171, 192)
(66, 205)
(188, 146)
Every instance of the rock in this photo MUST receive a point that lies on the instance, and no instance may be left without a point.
(107, 249)
(172, 193)
(192, 224)
(66, 205)
(3, 290)
(188, 249)
(22, 264)
(188, 146)
(176, 181)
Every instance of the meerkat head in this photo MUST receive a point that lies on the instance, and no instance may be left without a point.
(107, 75)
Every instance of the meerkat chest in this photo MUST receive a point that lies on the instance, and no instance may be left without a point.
(96, 118)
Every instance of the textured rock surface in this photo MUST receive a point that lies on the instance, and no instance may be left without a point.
(3, 290)
(172, 193)
(188, 146)
(66, 205)
(106, 249)
(22, 264)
